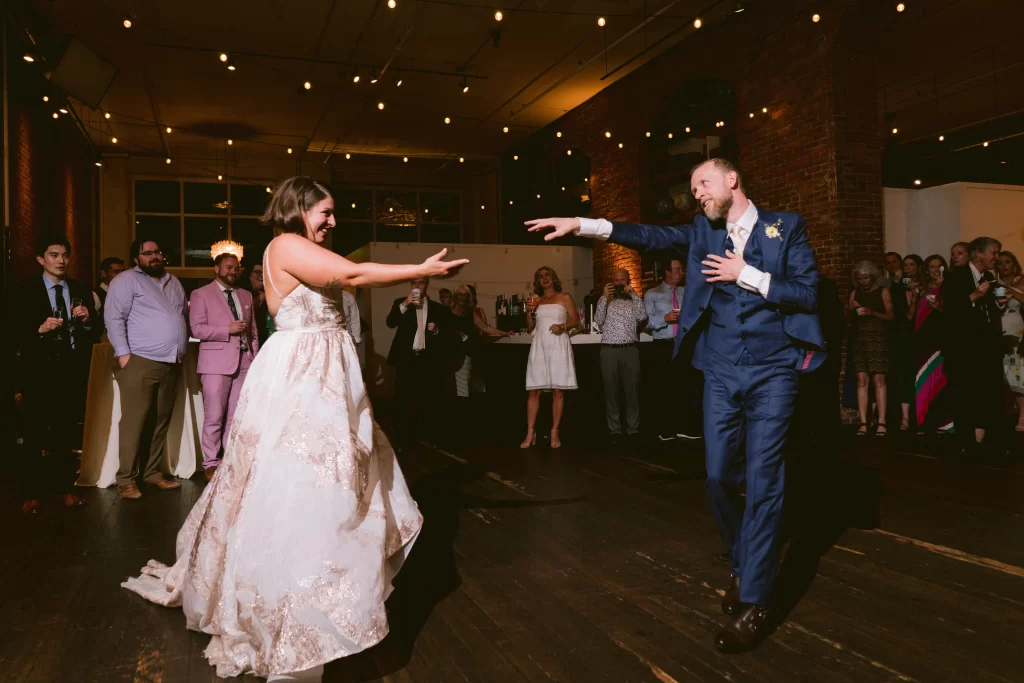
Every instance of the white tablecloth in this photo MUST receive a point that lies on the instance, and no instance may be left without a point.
(182, 455)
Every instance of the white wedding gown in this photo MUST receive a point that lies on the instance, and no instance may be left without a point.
(288, 555)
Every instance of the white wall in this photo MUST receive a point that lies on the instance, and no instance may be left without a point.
(931, 220)
(493, 269)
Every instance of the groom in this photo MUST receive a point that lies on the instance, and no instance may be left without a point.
(751, 297)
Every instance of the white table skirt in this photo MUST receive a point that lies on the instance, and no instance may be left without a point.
(182, 455)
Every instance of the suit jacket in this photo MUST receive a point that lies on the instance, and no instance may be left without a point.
(209, 317)
(436, 345)
(789, 259)
(31, 308)
(968, 332)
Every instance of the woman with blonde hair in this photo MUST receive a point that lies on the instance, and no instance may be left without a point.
(871, 309)
(550, 316)
(287, 557)
(469, 323)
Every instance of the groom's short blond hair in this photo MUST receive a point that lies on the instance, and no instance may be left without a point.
(725, 166)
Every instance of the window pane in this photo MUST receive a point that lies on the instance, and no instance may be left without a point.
(158, 196)
(348, 237)
(396, 233)
(200, 235)
(248, 200)
(165, 231)
(440, 207)
(397, 208)
(253, 236)
(206, 198)
(445, 234)
(353, 204)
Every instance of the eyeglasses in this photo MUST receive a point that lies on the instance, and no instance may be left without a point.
(158, 252)
(257, 275)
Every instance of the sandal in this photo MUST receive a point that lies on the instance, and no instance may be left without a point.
(904, 424)
(880, 427)
(864, 426)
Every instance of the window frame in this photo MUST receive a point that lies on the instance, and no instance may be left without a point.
(418, 190)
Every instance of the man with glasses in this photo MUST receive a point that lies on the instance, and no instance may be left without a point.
(145, 318)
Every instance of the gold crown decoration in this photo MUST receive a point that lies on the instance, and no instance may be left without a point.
(227, 247)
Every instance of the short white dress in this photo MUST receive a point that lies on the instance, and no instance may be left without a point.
(551, 364)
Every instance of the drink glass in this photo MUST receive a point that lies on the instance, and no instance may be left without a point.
(416, 296)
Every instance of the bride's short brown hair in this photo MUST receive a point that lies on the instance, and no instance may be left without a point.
(291, 200)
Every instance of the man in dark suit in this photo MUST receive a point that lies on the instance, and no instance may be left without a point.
(54, 325)
(973, 350)
(419, 354)
(751, 301)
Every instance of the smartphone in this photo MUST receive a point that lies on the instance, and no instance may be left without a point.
(620, 290)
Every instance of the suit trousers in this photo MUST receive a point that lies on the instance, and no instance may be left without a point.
(620, 373)
(143, 383)
(751, 403)
(220, 397)
(422, 397)
(54, 404)
(976, 382)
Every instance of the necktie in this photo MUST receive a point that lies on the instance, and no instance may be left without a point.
(675, 307)
(729, 245)
(234, 313)
(61, 309)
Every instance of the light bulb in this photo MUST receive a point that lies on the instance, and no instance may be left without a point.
(941, 138)
(568, 152)
(984, 144)
(601, 21)
(289, 150)
(113, 140)
(56, 115)
(426, 210)
(917, 182)
(895, 130)
(482, 207)
(563, 189)
(99, 163)
(167, 160)
(498, 16)
(398, 83)
(648, 134)
(463, 159)
(751, 114)
(510, 202)
(405, 159)
(231, 67)
(465, 88)
(447, 120)
(223, 56)
(45, 98)
(355, 79)
(670, 136)
(764, 110)
(607, 133)
(231, 142)
(380, 105)
(348, 156)
(697, 23)
(307, 85)
(29, 58)
(558, 134)
(515, 158)
(505, 129)
(816, 18)
(63, 110)
(538, 196)
(687, 130)
(391, 209)
(268, 190)
(620, 145)
(353, 205)
(220, 177)
(900, 7)
(127, 23)
(168, 129)
(392, 4)
(107, 115)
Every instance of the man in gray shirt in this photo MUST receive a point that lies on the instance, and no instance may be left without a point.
(619, 313)
(145, 317)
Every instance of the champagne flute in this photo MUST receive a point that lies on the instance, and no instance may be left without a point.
(75, 303)
(59, 314)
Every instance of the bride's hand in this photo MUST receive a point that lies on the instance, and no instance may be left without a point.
(435, 267)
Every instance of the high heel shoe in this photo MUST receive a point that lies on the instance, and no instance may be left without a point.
(531, 439)
(555, 443)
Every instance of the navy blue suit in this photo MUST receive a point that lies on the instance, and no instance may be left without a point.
(750, 349)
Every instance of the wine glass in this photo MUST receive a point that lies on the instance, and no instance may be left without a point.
(59, 314)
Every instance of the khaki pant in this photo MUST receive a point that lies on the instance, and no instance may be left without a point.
(141, 383)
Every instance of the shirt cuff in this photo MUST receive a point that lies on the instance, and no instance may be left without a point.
(595, 227)
(121, 350)
(754, 280)
(403, 308)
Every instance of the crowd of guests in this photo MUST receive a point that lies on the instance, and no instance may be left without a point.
(938, 344)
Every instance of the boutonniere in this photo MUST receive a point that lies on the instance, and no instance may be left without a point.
(774, 231)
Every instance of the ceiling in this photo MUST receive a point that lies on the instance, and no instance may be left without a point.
(547, 58)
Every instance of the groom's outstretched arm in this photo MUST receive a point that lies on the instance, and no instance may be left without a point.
(799, 287)
(676, 238)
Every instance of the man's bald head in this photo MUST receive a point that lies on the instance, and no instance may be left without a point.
(620, 277)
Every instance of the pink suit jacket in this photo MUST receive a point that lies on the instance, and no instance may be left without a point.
(209, 317)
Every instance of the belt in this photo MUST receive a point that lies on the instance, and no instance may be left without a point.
(619, 346)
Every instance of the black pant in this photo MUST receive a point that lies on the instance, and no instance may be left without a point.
(677, 390)
(53, 396)
(977, 386)
(423, 391)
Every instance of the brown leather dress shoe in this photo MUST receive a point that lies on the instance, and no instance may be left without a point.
(745, 631)
(210, 471)
(731, 604)
(165, 484)
(131, 492)
(31, 506)
(70, 500)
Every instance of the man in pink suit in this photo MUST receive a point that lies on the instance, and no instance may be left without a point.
(222, 319)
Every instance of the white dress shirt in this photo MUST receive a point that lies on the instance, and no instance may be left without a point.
(419, 341)
(750, 278)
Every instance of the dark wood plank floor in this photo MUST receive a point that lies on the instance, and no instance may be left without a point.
(581, 565)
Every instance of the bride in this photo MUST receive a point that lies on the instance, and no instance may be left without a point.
(288, 555)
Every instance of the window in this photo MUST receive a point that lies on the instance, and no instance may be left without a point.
(186, 218)
(395, 215)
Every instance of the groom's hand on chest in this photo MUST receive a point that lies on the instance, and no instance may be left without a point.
(723, 268)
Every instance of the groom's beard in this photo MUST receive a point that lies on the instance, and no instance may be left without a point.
(718, 208)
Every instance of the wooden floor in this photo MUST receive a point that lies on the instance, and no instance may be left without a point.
(581, 565)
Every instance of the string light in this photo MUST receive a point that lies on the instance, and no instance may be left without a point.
(568, 152)
(670, 136)
(917, 182)
(353, 205)
(231, 142)
(465, 85)
(563, 189)
(510, 202)
(223, 56)
(697, 23)
(538, 196)
(63, 110)
(45, 98)
(107, 115)
(447, 120)
(405, 159)
(373, 76)
(505, 129)
(220, 177)
(127, 22)
(168, 129)
(463, 159)
(392, 4)
(687, 130)
(426, 210)
(167, 160)
(751, 114)
(558, 134)
(895, 130)
(648, 134)
(380, 106)
(231, 66)
(607, 133)
(29, 58)
(398, 82)
(56, 115)
(355, 78)
(900, 7)
(984, 144)
(620, 145)
(816, 18)
(498, 16)
(348, 156)
(942, 138)
(289, 150)
(307, 85)
(269, 191)
(515, 158)
(764, 110)
(113, 140)
(99, 163)
(482, 207)
(601, 21)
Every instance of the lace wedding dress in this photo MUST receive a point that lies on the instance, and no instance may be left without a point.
(288, 555)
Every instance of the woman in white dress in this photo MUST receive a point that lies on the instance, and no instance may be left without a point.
(550, 316)
(288, 555)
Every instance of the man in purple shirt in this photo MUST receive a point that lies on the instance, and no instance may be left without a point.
(145, 318)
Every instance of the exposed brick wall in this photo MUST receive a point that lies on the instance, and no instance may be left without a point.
(817, 152)
(51, 176)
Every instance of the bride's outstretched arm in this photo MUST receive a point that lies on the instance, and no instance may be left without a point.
(321, 267)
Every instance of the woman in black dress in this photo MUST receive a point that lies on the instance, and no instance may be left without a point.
(871, 310)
